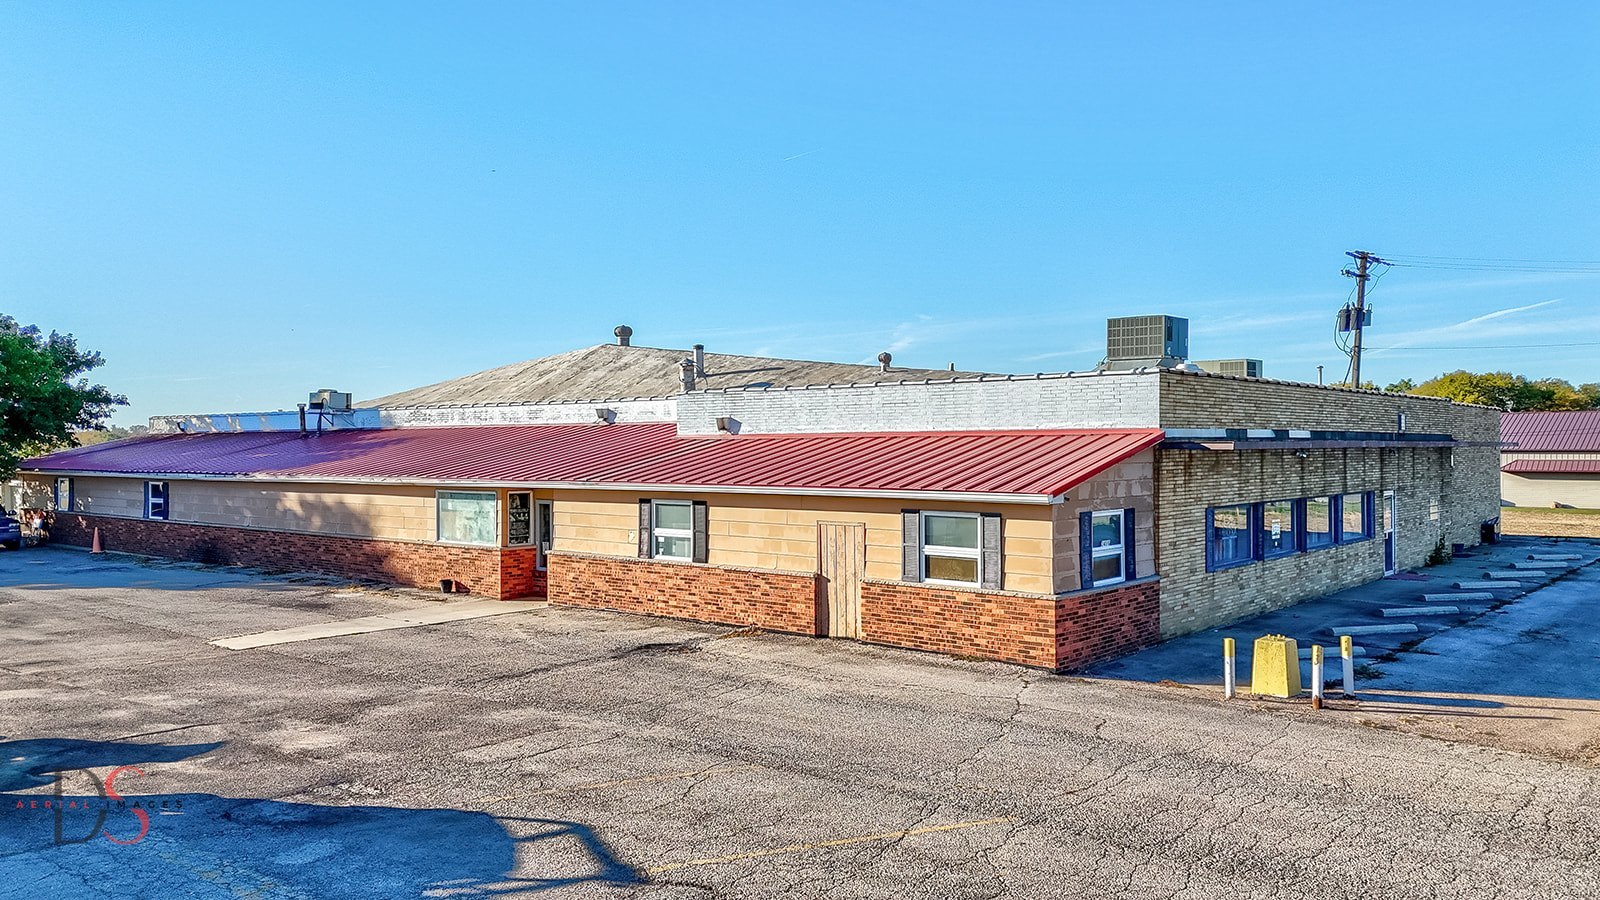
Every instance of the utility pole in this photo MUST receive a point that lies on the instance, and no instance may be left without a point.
(1355, 318)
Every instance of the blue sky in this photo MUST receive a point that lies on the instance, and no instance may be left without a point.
(241, 202)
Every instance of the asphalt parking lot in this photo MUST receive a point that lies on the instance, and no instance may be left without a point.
(565, 753)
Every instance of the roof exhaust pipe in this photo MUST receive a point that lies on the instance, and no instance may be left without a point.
(700, 360)
(624, 335)
(302, 419)
(686, 371)
(884, 359)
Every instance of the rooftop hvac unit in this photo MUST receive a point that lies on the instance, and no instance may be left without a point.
(330, 400)
(1147, 340)
(1248, 368)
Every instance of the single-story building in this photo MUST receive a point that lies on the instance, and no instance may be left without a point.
(1048, 520)
(1551, 459)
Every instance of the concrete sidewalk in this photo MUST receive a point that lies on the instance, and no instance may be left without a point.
(1197, 658)
(411, 618)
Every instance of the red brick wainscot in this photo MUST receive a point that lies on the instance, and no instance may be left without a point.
(779, 601)
(1041, 630)
(485, 571)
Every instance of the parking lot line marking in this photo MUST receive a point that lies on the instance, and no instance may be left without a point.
(596, 785)
(825, 845)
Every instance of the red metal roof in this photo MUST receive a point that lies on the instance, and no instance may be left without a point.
(1578, 430)
(993, 462)
(1552, 466)
(1038, 463)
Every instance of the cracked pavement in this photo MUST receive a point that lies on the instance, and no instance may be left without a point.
(564, 753)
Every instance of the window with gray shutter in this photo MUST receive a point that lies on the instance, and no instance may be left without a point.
(991, 551)
(646, 545)
(699, 553)
(910, 545)
(1085, 550)
(1131, 568)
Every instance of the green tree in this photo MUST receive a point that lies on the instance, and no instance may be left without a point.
(1403, 386)
(44, 397)
(108, 433)
(1504, 390)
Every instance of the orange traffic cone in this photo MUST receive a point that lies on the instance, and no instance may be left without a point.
(95, 546)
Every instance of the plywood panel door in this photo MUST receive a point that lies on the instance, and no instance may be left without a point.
(841, 561)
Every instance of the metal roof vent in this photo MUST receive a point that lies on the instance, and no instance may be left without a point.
(624, 335)
(884, 359)
(700, 360)
(329, 400)
(686, 372)
(1247, 368)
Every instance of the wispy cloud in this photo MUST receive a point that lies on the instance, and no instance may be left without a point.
(798, 155)
(1468, 327)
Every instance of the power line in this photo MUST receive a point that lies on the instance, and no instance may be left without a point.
(1505, 267)
(1498, 259)
(1497, 346)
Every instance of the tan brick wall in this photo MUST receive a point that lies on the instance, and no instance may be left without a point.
(780, 533)
(1207, 401)
(1434, 499)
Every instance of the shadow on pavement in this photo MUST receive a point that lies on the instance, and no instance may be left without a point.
(92, 837)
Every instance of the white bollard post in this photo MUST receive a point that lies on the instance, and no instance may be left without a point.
(1316, 676)
(1227, 669)
(1347, 653)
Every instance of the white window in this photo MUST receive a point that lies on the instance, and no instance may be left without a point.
(155, 499)
(1107, 554)
(469, 517)
(64, 494)
(672, 529)
(951, 546)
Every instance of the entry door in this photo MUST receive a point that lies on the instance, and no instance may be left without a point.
(1388, 533)
(841, 561)
(547, 532)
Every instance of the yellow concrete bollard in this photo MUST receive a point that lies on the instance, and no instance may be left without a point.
(1275, 667)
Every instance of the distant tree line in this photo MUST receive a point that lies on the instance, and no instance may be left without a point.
(1503, 390)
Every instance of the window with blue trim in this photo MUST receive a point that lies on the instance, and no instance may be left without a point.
(1229, 536)
(1355, 514)
(1318, 513)
(1279, 532)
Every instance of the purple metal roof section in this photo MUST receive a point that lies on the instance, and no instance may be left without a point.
(482, 452)
(1552, 467)
(1040, 463)
(1578, 430)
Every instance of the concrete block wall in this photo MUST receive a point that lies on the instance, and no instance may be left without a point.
(663, 409)
(1113, 400)
(1128, 485)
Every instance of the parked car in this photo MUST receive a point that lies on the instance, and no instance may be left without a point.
(10, 532)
